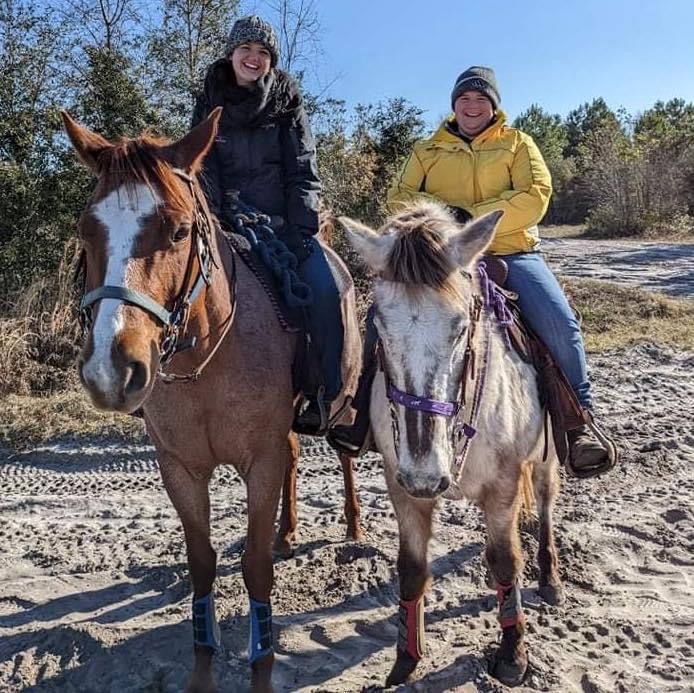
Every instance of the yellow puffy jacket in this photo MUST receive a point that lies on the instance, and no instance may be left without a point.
(501, 168)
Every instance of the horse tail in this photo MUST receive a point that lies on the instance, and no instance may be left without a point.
(527, 493)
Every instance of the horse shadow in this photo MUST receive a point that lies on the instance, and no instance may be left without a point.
(160, 658)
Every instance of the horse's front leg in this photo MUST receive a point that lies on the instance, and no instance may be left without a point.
(504, 558)
(414, 525)
(190, 496)
(264, 483)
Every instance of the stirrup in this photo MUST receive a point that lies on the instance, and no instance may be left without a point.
(342, 447)
(596, 470)
(318, 428)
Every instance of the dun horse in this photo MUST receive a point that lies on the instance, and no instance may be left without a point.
(454, 413)
(159, 273)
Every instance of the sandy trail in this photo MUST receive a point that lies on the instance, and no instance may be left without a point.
(664, 267)
(94, 592)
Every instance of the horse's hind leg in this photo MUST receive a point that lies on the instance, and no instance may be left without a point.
(264, 484)
(546, 483)
(189, 495)
(286, 532)
(352, 513)
(414, 525)
(504, 559)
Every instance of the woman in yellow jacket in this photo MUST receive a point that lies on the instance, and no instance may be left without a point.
(476, 164)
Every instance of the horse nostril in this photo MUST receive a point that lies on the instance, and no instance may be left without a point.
(399, 477)
(137, 377)
(443, 484)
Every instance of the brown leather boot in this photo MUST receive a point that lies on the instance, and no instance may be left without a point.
(355, 440)
(587, 455)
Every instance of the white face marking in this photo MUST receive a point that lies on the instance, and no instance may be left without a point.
(421, 334)
(121, 214)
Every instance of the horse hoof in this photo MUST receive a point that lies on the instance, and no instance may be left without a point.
(509, 673)
(282, 549)
(355, 535)
(402, 669)
(552, 594)
(201, 684)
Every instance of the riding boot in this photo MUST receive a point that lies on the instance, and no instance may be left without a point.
(312, 417)
(352, 440)
(587, 455)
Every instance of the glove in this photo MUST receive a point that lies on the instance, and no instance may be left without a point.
(462, 216)
(299, 242)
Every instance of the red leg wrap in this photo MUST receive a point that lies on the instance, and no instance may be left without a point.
(411, 627)
(510, 606)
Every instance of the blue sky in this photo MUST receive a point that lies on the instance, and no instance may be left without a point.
(558, 54)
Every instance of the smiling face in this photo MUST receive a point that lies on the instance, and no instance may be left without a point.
(473, 112)
(250, 61)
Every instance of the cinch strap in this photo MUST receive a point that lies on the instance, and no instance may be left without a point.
(205, 627)
(260, 640)
(510, 606)
(411, 628)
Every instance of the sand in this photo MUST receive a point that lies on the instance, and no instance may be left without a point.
(94, 591)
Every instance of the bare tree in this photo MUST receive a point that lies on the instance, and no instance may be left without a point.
(298, 25)
(105, 24)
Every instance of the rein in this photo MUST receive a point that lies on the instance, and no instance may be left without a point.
(175, 321)
(489, 302)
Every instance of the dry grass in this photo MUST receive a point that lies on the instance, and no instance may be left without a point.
(29, 420)
(562, 231)
(39, 335)
(615, 316)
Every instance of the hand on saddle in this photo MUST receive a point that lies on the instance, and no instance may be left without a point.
(462, 216)
(299, 241)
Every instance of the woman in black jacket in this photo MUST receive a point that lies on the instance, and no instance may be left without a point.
(264, 156)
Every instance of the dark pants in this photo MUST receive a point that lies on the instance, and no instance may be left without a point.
(324, 318)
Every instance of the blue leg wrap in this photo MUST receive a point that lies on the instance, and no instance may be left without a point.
(260, 640)
(205, 626)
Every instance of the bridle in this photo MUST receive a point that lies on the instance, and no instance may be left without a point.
(174, 322)
(464, 417)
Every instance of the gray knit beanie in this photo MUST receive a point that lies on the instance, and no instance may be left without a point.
(253, 30)
(477, 78)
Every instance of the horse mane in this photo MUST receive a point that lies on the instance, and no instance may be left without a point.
(133, 161)
(420, 256)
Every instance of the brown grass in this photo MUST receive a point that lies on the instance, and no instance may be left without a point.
(615, 316)
(26, 421)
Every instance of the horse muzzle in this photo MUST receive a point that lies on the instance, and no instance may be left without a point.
(423, 486)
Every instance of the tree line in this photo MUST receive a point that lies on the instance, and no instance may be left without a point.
(122, 66)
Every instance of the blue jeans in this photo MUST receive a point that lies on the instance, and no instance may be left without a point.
(324, 318)
(548, 313)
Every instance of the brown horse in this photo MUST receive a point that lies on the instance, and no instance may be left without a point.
(158, 274)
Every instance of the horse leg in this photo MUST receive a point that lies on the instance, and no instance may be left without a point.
(505, 562)
(286, 533)
(190, 496)
(546, 483)
(414, 526)
(352, 513)
(264, 485)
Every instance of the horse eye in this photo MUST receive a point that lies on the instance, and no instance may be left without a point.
(181, 233)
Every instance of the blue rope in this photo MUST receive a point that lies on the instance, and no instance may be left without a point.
(255, 227)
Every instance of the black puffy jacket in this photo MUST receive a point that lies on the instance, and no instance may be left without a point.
(264, 151)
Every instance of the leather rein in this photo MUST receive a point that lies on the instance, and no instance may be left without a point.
(174, 322)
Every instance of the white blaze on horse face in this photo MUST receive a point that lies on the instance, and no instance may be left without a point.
(121, 213)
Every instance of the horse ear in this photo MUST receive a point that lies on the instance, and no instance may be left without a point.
(474, 238)
(373, 248)
(88, 145)
(189, 152)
